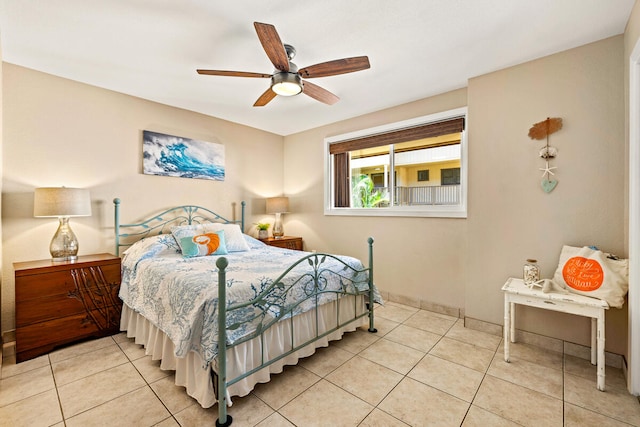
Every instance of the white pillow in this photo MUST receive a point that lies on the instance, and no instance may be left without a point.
(233, 236)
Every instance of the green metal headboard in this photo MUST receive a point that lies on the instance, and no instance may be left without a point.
(162, 222)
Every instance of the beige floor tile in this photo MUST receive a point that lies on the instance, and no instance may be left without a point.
(575, 416)
(413, 337)
(98, 388)
(478, 417)
(394, 356)
(384, 326)
(79, 349)
(519, 404)
(613, 402)
(174, 397)
(614, 377)
(168, 422)
(530, 375)
(378, 418)
(150, 369)
(418, 404)
(431, 322)
(25, 385)
(197, 416)
(452, 378)
(247, 411)
(468, 355)
(140, 407)
(325, 404)
(364, 379)
(87, 363)
(470, 336)
(355, 342)
(283, 387)
(539, 355)
(395, 312)
(275, 420)
(39, 410)
(11, 368)
(325, 360)
(131, 349)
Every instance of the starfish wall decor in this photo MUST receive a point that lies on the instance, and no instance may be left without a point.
(542, 130)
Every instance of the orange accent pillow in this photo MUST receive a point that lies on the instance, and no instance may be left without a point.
(194, 245)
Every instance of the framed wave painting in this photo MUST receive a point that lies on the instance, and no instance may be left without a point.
(169, 155)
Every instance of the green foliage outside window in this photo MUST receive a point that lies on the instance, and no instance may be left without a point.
(364, 195)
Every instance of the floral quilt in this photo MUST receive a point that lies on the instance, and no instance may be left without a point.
(180, 295)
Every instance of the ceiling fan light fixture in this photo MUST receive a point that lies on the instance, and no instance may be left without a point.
(286, 84)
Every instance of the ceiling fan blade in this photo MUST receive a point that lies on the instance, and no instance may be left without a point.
(272, 45)
(319, 94)
(265, 98)
(335, 67)
(233, 73)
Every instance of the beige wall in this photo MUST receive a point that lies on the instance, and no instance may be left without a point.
(1, 156)
(464, 262)
(59, 132)
(510, 217)
(418, 257)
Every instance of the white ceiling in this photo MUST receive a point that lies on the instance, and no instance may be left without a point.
(417, 48)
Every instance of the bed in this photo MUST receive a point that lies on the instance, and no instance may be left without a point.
(224, 310)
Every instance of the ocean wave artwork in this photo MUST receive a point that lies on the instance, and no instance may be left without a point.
(169, 155)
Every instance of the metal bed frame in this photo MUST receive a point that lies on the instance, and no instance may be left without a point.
(314, 283)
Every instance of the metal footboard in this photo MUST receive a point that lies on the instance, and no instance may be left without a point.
(266, 304)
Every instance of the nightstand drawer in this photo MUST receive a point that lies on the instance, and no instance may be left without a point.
(45, 336)
(73, 280)
(61, 305)
(286, 242)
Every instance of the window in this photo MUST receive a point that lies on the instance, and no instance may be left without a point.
(411, 168)
(450, 176)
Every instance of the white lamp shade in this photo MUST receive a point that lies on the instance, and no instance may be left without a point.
(277, 205)
(60, 202)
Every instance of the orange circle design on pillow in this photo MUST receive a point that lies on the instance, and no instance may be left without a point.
(211, 240)
(583, 274)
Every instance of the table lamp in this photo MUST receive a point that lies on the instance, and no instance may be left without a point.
(278, 206)
(62, 203)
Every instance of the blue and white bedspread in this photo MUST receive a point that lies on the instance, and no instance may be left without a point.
(180, 295)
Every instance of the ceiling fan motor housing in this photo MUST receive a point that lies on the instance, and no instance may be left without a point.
(287, 83)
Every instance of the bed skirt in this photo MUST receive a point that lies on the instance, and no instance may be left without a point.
(191, 373)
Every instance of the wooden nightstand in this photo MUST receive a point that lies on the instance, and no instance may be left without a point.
(61, 302)
(286, 242)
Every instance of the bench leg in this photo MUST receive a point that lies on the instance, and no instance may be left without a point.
(507, 327)
(594, 342)
(600, 345)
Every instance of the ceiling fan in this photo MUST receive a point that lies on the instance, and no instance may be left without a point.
(287, 79)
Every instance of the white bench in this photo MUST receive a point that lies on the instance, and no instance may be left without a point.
(516, 292)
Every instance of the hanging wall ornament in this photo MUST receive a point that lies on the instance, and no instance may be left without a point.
(542, 130)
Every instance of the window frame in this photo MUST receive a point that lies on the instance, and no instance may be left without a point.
(438, 211)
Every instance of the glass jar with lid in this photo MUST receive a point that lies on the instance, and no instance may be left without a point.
(531, 272)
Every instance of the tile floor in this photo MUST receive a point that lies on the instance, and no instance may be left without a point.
(420, 369)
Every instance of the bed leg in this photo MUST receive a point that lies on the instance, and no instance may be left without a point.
(372, 328)
(228, 423)
(223, 420)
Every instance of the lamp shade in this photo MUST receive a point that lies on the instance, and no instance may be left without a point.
(61, 202)
(277, 205)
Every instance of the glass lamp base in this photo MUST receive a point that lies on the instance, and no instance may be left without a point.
(64, 245)
(278, 230)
